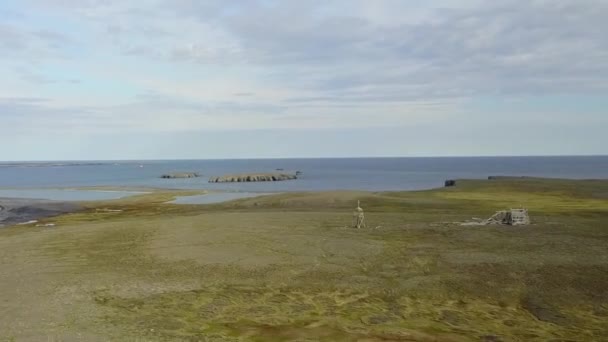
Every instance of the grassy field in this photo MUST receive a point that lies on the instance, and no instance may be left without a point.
(289, 268)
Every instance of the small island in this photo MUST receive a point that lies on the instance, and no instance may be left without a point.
(253, 177)
(176, 175)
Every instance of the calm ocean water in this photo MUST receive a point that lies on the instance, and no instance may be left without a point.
(375, 174)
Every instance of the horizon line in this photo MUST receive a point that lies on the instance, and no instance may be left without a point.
(306, 158)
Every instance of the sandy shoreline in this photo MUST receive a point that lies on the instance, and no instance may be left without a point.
(17, 210)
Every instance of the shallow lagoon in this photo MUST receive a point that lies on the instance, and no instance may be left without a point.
(217, 197)
(68, 195)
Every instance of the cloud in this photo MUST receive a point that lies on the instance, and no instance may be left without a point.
(33, 77)
(508, 48)
(32, 45)
(41, 114)
(476, 49)
(243, 94)
(178, 65)
(10, 38)
(30, 75)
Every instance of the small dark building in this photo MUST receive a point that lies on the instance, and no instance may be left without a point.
(450, 182)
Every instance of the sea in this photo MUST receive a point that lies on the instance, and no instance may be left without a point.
(323, 174)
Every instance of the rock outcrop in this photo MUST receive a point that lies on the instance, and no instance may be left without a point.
(253, 177)
(180, 175)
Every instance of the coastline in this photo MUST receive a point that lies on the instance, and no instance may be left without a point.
(25, 211)
(15, 211)
(317, 174)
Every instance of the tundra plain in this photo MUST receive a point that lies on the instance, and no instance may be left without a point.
(288, 267)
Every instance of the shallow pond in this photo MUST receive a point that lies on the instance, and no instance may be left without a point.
(217, 197)
(66, 194)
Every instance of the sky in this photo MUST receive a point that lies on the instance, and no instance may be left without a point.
(187, 79)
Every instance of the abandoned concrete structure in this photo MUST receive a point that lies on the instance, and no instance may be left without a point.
(513, 217)
(517, 217)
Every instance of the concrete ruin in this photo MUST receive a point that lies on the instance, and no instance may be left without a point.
(512, 217)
